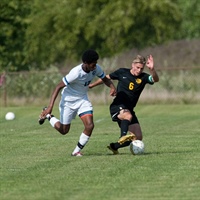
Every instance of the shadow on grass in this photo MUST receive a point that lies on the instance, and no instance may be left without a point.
(168, 152)
(144, 154)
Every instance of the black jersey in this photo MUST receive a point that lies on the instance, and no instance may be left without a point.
(129, 86)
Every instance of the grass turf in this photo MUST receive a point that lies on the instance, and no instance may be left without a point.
(36, 162)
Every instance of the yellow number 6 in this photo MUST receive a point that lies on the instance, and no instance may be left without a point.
(131, 86)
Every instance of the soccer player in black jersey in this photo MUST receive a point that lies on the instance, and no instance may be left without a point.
(131, 83)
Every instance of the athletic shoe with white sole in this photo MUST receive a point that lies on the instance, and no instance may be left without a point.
(78, 154)
(126, 138)
(111, 147)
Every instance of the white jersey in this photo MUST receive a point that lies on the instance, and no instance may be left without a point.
(77, 81)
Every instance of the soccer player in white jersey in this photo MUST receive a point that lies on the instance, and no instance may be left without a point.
(74, 100)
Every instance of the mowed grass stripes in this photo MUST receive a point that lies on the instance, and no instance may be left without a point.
(36, 162)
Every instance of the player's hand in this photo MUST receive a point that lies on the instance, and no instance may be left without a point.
(113, 92)
(150, 62)
(45, 112)
(90, 86)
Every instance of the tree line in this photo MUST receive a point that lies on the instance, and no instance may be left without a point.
(35, 34)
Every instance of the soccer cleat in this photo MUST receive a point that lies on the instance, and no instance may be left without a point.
(126, 138)
(42, 119)
(110, 147)
(78, 154)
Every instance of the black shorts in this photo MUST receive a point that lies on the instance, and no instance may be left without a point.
(115, 109)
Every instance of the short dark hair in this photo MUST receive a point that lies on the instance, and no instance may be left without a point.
(90, 56)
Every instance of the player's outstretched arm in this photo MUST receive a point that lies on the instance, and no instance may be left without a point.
(53, 98)
(150, 65)
(107, 81)
(110, 84)
(98, 82)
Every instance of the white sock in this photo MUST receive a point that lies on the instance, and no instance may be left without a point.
(81, 143)
(48, 116)
(53, 121)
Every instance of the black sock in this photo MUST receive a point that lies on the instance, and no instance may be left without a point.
(124, 127)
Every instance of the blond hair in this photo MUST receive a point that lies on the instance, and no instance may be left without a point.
(139, 59)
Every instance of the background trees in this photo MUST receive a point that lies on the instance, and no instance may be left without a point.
(13, 25)
(190, 14)
(35, 34)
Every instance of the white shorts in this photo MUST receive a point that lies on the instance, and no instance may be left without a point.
(69, 109)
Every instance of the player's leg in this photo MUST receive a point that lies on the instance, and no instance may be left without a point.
(136, 129)
(126, 139)
(62, 127)
(87, 120)
(66, 115)
(123, 116)
(85, 113)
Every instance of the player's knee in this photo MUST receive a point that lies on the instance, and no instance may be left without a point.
(89, 126)
(63, 132)
(128, 116)
(125, 115)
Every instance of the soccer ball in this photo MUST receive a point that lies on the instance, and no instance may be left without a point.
(137, 147)
(10, 116)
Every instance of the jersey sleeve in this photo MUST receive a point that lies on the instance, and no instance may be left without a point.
(70, 77)
(99, 72)
(114, 75)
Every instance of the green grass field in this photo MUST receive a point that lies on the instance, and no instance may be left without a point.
(36, 162)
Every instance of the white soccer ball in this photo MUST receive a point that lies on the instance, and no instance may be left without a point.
(137, 147)
(10, 116)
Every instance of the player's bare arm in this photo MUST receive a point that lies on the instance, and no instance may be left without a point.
(150, 66)
(98, 82)
(110, 84)
(53, 98)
